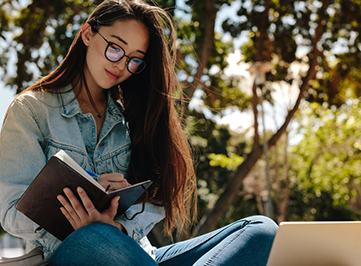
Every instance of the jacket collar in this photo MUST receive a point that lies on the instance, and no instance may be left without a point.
(70, 106)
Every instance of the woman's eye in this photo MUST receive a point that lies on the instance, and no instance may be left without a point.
(115, 49)
(137, 61)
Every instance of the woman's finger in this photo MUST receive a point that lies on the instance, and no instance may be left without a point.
(68, 216)
(77, 207)
(118, 185)
(116, 177)
(68, 210)
(88, 204)
(113, 181)
(112, 210)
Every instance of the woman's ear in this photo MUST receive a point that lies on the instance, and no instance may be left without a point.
(83, 28)
(86, 33)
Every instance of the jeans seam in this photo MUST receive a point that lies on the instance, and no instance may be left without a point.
(209, 261)
(169, 257)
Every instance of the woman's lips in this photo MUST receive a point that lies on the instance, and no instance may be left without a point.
(112, 75)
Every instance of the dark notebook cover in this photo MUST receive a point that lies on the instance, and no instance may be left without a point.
(40, 203)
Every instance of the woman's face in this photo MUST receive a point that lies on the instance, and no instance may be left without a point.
(131, 35)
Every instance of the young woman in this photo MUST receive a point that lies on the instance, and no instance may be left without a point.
(109, 105)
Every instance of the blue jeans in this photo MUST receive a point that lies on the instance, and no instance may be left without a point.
(245, 242)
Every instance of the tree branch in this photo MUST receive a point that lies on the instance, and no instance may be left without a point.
(207, 46)
(255, 114)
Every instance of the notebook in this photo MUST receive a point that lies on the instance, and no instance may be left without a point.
(317, 243)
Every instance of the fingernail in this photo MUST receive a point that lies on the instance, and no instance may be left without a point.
(66, 190)
(80, 190)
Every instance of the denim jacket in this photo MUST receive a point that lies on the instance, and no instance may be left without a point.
(38, 125)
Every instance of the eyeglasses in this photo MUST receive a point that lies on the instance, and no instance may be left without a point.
(114, 53)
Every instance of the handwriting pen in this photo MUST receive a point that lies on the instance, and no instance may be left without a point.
(92, 174)
(96, 176)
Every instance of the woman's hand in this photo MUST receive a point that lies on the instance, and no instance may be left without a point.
(79, 217)
(113, 181)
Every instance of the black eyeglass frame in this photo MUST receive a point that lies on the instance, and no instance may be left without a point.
(124, 55)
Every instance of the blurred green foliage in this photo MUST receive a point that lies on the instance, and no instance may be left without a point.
(328, 159)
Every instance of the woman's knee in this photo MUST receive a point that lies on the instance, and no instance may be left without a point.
(265, 229)
(89, 244)
(94, 233)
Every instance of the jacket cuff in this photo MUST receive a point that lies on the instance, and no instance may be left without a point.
(142, 223)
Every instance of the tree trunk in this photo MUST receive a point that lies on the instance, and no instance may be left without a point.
(257, 193)
(277, 181)
(282, 208)
(210, 220)
(261, 55)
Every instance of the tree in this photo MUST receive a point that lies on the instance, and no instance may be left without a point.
(325, 165)
(329, 155)
(54, 25)
(259, 20)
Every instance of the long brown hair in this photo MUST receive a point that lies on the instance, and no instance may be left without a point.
(160, 150)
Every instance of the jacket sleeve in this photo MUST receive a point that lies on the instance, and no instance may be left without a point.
(142, 223)
(21, 159)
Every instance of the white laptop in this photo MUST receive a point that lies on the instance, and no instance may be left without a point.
(317, 243)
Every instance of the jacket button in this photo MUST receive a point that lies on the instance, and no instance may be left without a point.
(84, 119)
(89, 149)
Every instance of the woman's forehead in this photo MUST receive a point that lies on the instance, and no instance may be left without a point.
(130, 32)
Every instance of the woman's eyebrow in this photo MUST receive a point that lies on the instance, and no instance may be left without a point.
(123, 41)
(120, 39)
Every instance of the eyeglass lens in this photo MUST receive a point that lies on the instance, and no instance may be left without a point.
(114, 53)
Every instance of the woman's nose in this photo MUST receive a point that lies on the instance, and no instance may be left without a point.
(122, 63)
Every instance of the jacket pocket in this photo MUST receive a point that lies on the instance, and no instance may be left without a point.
(75, 153)
(121, 161)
